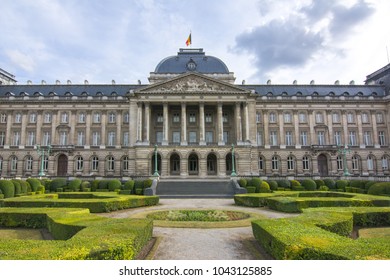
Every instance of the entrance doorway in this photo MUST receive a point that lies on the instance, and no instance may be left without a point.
(62, 165)
(322, 165)
(175, 164)
(211, 164)
(193, 164)
(229, 164)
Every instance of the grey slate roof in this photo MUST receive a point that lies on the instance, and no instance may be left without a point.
(204, 63)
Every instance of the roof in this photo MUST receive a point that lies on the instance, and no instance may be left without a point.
(188, 60)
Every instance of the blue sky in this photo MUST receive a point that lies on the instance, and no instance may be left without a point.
(124, 40)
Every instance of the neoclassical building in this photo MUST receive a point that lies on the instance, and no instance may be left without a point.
(194, 121)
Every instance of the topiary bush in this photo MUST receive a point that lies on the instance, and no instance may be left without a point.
(85, 185)
(103, 185)
(242, 182)
(357, 184)
(285, 184)
(58, 183)
(34, 183)
(17, 186)
(380, 189)
(129, 185)
(74, 185)
(25, 187)
(147, 183)
(114, 185)
(341, 184)
(323, 188)
(251, 189)
(330, 183)
(95, 185)
(319, 183)
(295, 183)
(273, 185)
(7, 188)
(309, 185)
(264, 188)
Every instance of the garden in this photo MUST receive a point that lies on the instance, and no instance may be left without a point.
(62, 212)
(339, 219)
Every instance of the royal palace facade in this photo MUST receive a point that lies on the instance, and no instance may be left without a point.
(193, 121)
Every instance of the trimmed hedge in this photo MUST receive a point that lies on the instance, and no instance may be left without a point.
(322, 234)
(242, 182)
(95, 202)
(114, 185)
(309, 185)
(7, 188)
(34, 183)
(129, 185)
(58, 183)
(330, 183)
(72, 243)
(74, 185)
(380, 189)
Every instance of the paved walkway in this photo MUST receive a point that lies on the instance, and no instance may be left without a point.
(203, 244)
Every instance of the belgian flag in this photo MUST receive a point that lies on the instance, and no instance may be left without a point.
(188, 42)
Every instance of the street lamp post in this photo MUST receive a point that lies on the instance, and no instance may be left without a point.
(233, 170)
(343, 152)
(41, 151)
(155, 162)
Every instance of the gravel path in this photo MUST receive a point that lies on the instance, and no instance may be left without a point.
(203, 244)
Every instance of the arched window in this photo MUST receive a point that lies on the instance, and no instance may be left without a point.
(14, 163)
(305, 163)
(46, 163)
(355, 162)
(110, 163)
(95, 163)
(385, 163)
(79, 163)
(339, 161)
(275, 163)
(175, 164)
(290, 163)
(28, 163)
(370, 163)
(125, 163)
(111, 117)
(261, 163)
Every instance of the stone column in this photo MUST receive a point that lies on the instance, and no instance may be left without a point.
(24, 125)
(238, 122)
(38, 139)
(8, 135)
(72, 124)
(282, 141)
(147, 122)
(312, 119)
(103, 130)
(118, 129)
(360, 130)
(246, 119)
(202, 127)
(266, 129)
(375, 137)
(296, 129)
(54, 123)
(139, 122)
(183, 125)
(345, 126)
(165, 124)
(88, 129)
(220, 124)
(330, 139)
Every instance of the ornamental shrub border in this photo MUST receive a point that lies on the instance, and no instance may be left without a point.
(95, 202)
(322, 233)
(95, 241)
(294, 202)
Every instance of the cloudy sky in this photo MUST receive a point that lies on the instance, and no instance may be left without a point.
(124, 40)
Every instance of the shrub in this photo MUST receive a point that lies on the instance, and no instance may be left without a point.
(58, 183)
(251, 189)
(380, 189)
(114, 185)
(139, 191)
(319, 183)
(103, 184)
(295, 183)
(7, 188)
(330, 183)
(242, 182)
(94, 185)
(34, 183)
(25, 187)
(138, 184)
(41, 189)
(341, 184)
(85, 185)
(284, 184)
(129, 185)
(17, 186)
(264, 188)
(309, 185)
(147, 183)
(273, 185)
(357, 184)
(368, 184)
(256, 182)
(298, 188)
(74, 185)
(323, 188)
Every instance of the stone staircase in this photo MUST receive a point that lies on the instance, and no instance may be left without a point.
(195, 189)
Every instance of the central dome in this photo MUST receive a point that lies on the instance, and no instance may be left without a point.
(191, 60)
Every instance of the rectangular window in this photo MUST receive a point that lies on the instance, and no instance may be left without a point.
(365, 118)
(80, 138)
(111, 118)
(367, 138)
(159, 137)
(258, 117)
(209, 137)
(303, 138)
(96, 138)
(272, 117)
(287, 118)
(336, 118)
(289, 138)
(111, 138)
(379, 118)
(47, 118)
(176, 117)
(225, 117)
(319, 118)
(192, 137)
(352, 138)
(126, 118)
(382, 138)
(273, 138)
(46, 140)
(225, 137)
(3, 118)
(176, 137)
(31, 138)
(33, 118)
(2, 138)
(160, 118)
(63, 138)
(18, 118)
(337, 138)
(96, 117)
(259, 138)
(125, 142)
(64, 117)
(208, 118)
(350, 118)
(192, 118)
(321, 137)
(302, 118)
(82, 118)
(16, 138)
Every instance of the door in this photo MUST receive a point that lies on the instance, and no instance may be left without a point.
(322, 165)
(62, 165)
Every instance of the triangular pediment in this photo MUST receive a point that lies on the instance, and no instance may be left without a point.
(192, 83)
